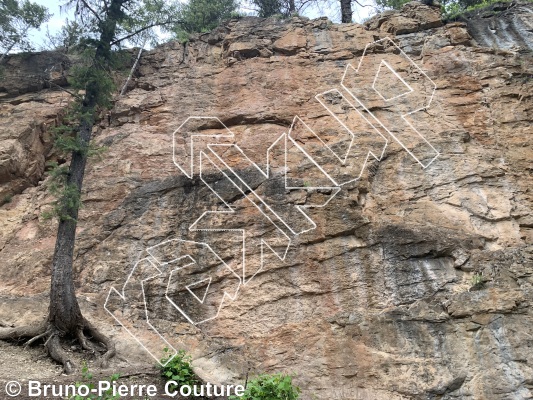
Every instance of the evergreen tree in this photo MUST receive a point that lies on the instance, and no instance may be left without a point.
(268, 8)
(16, 21)
(106, 23)
(205, 15)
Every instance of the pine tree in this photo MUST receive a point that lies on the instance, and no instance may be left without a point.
(106, 23)
(205, 15)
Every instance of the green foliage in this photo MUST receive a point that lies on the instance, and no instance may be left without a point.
(270, 387)
(66, 141)
(477, 281)
(65, 136)
(67, 195)
(178, 368)
(97, 29)
(17, 18)
(68, 39)
(88, 382)
(139, 22)
(94, 79)
(269, 8)
(203, 16)
(391, 4)
(453, 9)
(237, 15)
(280, 8)
(181, 36)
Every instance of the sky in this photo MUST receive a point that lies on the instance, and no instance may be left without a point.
(329, 8)
(54, 24)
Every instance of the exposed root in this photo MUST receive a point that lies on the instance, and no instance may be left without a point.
(97, 343)
(23, 332)
(86, 343)
(107, 342)
(35, 338)
(53, 345)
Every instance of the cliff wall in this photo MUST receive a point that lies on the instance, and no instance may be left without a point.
(404, 278)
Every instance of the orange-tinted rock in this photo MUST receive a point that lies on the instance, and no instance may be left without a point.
(375, 301)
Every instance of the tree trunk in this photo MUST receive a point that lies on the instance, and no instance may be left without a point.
(125, 87)
(292, 7)
(13, 43)
(65, 316)
(346, 11)
(65, 312)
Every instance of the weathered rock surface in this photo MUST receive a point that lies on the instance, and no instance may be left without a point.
(31, 72)
(25, 138)
(375, 302)
(505, 25)
(413, 17)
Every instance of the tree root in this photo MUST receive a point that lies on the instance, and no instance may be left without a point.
(107, 342)
(86, 343)
(22, 332)
(52, 341)
(35, 338)
(53, 345)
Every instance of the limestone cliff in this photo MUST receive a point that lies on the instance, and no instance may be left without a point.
(413, 281)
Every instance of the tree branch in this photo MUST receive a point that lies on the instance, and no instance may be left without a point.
(77, 96)
(143, 29)
(91, 10)
(362, 5)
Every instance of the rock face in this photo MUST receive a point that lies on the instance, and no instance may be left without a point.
(26, 116)
(502, 25)
(404, 278)
(414, 17)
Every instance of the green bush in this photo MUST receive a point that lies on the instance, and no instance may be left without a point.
(270, 387)
(178, 368)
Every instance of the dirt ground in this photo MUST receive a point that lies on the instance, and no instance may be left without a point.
(21, 365)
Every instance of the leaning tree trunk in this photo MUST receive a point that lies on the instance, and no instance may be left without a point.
(346, 11)
(65, 318)
(65, 314)
(13, 43)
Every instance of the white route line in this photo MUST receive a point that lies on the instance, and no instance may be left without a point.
(383, 62)
(122, 297)
(190, 172)
(193, 262)
(239, 182)
(345, 159)
(423, 107)
(231, 210)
